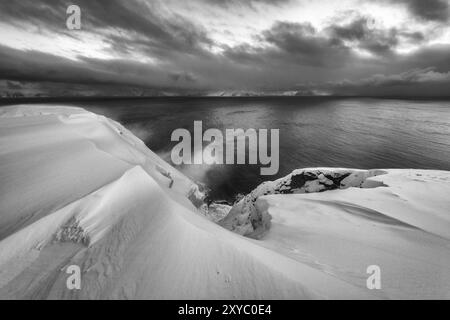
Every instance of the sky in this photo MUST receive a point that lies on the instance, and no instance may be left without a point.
(345, 47)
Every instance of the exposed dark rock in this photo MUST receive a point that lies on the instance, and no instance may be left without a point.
(71, 231)
(245, 219)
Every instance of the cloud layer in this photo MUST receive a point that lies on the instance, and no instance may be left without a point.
(204, 46)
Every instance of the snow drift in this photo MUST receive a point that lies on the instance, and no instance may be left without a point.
(341, 221)
(80, 189)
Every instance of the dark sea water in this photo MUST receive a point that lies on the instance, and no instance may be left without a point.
(355, 133)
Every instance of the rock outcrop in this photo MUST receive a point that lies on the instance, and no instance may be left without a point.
(245, 218)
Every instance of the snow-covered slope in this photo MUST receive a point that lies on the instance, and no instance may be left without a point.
(244, 219)
(79, 189)
(341, 221)
(52, 156)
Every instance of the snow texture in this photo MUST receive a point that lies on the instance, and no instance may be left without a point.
(80, 189)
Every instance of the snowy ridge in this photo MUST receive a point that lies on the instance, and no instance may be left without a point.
(80, 189)
(245, 219)
(341, 221)
(146, 245)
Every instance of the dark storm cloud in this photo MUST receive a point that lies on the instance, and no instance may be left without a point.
(433, 10)
(355, 30)
(367, 37)
(294, 43)
(303, 44)
(36, 66)
(135, 17)
(43, 14)
(300, 43)
(143, 30)
(435, 56)
(182, 76)
(245, 54)
(416, 82)
(180, 56)
(414, 37)
(298, 48)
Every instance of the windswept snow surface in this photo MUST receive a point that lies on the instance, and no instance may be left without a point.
(80, 189)
(341, 221)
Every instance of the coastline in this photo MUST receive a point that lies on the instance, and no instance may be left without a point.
(70, 169)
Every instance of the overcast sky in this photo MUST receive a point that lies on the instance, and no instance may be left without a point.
(343, 47)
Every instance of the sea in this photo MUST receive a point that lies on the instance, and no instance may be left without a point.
(364, 133)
